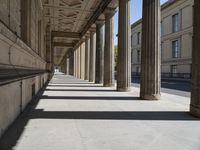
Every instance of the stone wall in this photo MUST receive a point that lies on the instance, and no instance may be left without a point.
(15, 97)
(16, 54)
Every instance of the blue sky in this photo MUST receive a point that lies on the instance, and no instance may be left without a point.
(136, 14)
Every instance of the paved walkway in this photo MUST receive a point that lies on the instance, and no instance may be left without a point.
(73, 114)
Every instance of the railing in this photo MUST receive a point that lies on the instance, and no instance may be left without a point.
(176, 75)
(168, 75)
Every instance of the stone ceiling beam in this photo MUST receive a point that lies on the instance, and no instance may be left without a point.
(95, 16)
(62, 44)
(66, 34)
(66, 8)
(65, 18)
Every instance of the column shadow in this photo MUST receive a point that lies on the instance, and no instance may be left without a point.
(81, 90)
(16, 129)
(114, 98)
(13, 134)
(78, 85)
(115, 115)
(66, 83)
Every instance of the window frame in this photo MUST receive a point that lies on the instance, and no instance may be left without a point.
(175, 23)
(176, 49)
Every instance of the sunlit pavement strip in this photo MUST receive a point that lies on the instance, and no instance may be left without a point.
(73, 114)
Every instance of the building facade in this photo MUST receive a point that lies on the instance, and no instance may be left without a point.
(176, 41)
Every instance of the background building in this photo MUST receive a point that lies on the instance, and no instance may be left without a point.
(176, 41)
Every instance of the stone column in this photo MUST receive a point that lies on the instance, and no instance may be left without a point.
(195, 95)
(79, 62)
(99, 63)
(71, 64)
(87, 60)
(76, 63)
(92, 57)
(74, 71)
(150, 53)
(63, 65)
(109, 49)
(67, 66)
(82, 50)
(124, 47)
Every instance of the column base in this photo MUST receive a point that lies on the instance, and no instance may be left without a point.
(108, 84)
(91, 81)
(98, 82)
(195, 111)
(123, 89)
(150, 97)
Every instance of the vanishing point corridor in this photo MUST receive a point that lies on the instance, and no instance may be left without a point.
(66, 70)
(74, 114)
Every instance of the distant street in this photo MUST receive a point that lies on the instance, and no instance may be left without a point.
(171, 86)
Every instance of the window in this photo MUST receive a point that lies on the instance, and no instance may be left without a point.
(138, 56)
(162, 29)
(175, 49)
(25, 21)
(174, 70)
(33, 90)
(132, 55)
(175, 23)
(137, 69)
(161, 51)
(138, 38)
(131, 41)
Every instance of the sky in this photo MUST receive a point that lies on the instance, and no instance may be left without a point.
(136, 14)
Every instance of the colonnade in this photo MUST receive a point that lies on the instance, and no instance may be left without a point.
(99, 54)
(95, 60)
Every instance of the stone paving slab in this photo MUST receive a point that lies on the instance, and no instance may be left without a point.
(73, 114)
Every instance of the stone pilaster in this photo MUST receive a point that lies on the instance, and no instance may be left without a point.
(92, 57)
(150, 53)
(87, 60)
(99, 52)
(195, 95)
(49, 53)
(52, 58)
(124, 47)
(109, 49)
(48, 48)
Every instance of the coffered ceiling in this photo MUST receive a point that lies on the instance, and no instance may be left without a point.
(71, 16)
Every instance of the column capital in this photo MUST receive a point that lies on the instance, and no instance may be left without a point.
(109, 12)
(100, 22)
(92, 30)
(87, 35)
(82, 40)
